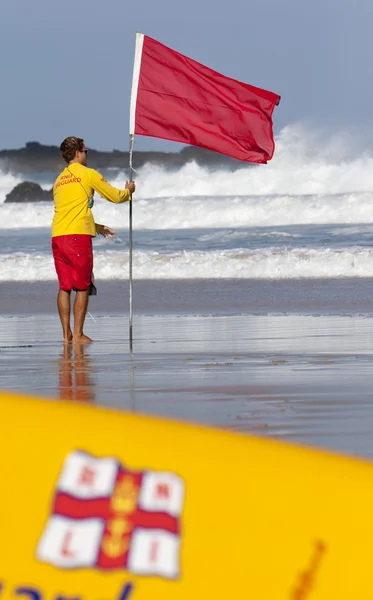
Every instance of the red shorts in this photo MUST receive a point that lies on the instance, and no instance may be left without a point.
(73, 259)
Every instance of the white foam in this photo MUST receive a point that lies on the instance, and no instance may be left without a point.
(7, 183)
(208, 212)
(306, 161)
(313, 178)
(272, 263)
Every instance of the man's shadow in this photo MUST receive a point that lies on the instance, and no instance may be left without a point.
(75, 383)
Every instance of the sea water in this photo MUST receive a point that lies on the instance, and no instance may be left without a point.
(307, 214)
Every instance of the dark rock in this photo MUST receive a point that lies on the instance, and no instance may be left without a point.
(27, 191)
(35, 157)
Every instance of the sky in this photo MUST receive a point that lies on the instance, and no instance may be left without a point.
(66, 67)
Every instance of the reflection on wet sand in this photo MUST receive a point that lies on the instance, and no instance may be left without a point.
(308, 379)
(75, 382)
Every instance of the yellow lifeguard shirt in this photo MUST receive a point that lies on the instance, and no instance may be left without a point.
(72, 192)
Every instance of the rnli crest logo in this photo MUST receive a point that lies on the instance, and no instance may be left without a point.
(107, 517)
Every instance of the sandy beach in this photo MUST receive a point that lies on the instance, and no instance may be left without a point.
(329, 296)
(248, 356)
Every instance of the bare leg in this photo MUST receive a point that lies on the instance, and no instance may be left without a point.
(84, 390)
(63, 304)
(80, 310)
(66, 387)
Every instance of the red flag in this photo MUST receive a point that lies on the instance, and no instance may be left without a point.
(176, 98)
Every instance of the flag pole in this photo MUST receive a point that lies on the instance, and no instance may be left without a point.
(132, 139)
(134, 89)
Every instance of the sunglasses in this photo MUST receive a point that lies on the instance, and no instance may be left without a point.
(85, 151)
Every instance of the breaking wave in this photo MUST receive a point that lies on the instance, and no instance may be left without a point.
(311, 179)
(271, 263)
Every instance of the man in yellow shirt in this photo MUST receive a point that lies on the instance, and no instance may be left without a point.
(74, 227)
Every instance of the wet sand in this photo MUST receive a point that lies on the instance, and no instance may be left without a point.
(298, 375)
(347, 296)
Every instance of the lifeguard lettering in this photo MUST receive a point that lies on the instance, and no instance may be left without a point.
(153, 554)
(307, 577)
(65, 179)
(162, 490)
(32, 593)
(87, 476)
(126, 591)
(66, 549)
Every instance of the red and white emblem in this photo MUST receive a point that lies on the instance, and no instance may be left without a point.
(107, 517)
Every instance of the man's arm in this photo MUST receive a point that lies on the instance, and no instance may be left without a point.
(107, 191)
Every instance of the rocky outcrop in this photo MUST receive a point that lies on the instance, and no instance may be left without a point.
(27, 191)
(37, 158)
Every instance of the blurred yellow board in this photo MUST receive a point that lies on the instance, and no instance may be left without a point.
(102, 505)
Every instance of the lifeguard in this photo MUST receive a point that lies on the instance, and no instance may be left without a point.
(73, 228)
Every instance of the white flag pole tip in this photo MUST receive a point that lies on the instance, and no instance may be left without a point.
(135, 80)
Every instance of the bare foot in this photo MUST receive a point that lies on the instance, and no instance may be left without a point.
(81, 339)
(68, 338)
